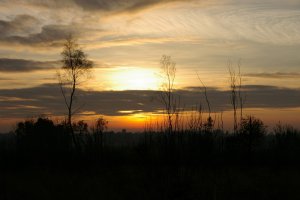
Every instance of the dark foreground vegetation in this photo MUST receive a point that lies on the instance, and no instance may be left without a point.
(40, 160)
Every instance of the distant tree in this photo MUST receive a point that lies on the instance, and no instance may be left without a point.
(98, 130)
(252, 130)
(41, 137)
(80, 127)
(100, 125)
(75, 67)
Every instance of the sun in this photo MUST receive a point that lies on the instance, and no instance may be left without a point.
(134, 78)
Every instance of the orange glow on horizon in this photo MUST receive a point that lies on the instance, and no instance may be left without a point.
(137, 122)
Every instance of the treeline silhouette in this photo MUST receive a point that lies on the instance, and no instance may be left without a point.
(42, 140)
(188, 164)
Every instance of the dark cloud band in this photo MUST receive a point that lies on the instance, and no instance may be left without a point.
(48, 99)
(20, 65)
(120, 5)
(277, 75)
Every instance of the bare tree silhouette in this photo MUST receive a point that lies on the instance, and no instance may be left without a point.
(210, 122)
(237, 98)
(242, 98)
(234, 94)
(167, 96)
(75, 67)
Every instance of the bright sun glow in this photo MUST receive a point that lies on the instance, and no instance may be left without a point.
(135, 79)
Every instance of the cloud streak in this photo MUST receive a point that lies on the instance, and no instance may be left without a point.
(275, 75)
(121, 5)
(98, 5)
(21, 65)
(47, 99)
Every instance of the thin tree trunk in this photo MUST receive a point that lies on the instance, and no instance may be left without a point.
(70, 113)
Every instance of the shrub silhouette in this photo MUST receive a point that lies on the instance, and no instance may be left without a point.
(41, 138)
(286, 141)
(252, 131)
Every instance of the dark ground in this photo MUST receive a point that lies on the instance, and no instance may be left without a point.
(145, 182)
(39, 161)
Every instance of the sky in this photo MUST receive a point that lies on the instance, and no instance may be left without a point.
(126, 40)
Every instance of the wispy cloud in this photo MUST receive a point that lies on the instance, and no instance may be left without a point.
(254, 23)
(228, 20)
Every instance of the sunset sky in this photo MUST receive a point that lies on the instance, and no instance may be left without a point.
(127, 38)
